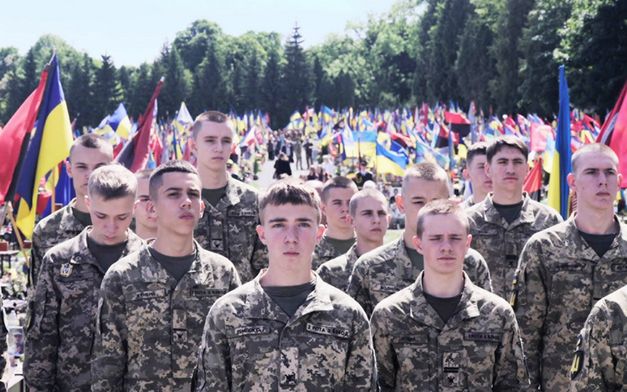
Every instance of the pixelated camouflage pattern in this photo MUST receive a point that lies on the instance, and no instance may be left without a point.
(229, 229)
(337, 271)
(251, 344)
(603, 347)
(63, 316)
(50, 231)
(3, 344)
(559, 278)
(388, 269)
(500, 243)
(324, 252)
(149, 326)
(478, 349)
(467, 203)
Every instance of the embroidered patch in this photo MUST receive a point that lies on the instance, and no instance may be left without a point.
(328, 330)
(619, 267)
(205, 292)
(66, 270)
(252, 330)
(484, 336)
(148, 294)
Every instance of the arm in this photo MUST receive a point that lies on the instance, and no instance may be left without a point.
(360, 372)
(214, 362)
(482, 272)
(357, 287)
(385, 357)
(260, 257)
(510, 370)
(36, 259)
(235, 281)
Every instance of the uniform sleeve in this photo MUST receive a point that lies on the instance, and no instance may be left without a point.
(510, 367)
(36, 259)
(108, 366)
(360, 368)
(529, 299)
(481, 275)
(214, 360)
(385, 357)
(357, 287)
(235, 280)
(42, 334)
(260, 257)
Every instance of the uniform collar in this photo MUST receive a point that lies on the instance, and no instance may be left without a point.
(82, 255)
(617, 249)
(152, 271)
(492, 215)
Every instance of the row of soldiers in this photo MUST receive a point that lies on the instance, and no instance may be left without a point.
(111, 311)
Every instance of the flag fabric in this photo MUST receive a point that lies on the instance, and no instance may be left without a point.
(558, 187)
(533, 181)
(614, 133)
(458, 123)
(120, 123)
(183, 119)
(390, 162)
(12, 138)
(50, 145)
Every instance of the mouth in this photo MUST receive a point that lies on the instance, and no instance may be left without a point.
(291, 253)
(603, 194)
(511, 178)
(376, 230)
(186, 216)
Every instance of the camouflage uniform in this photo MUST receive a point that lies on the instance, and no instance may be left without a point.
(467, 203)
(251, 344)
(63, 316)
(324, 252)
(388, 269)
(500, 243)
(229, 229)
(50, 231)
(149, 326)
(337, 271)
(600, 362)
(478, 349)
(559, 278)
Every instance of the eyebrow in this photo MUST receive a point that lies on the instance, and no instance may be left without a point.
(276, 220)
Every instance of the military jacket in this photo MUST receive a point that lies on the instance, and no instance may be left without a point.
(337, 271)
(50, 231)
(478, 349)
(388, 269)
(324, 252)
(62, 316)
(149, 326)
(229, 229)
(600, 362)
(500, 243)
(251, 344)
(559, 278)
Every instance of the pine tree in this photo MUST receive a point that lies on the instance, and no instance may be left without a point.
(296, 86)
(270, 88)
(79, 93)
(107, 90)
(177, 84)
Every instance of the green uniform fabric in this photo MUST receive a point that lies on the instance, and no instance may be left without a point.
(329, 248)
(337, 271)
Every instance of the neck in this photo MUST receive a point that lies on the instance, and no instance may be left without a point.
(145, 232)
(277, 275)
(212, 179)
(595, 221)
(408, 236)
(94, 237)
(443, 286)
(478, 196)
(172, 245)
(80, 203)
(507, 197)
(339, 233)
(362, 245)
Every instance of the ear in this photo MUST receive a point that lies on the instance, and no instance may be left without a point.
(465, 173)
(468, 241)
(68, 167)
(401, 203)
(570, 179)
(150, 209)
(417, 243)
(320, 233)
(87, 202)
(487, 170)
(202, 208)
(193, 145)
(261, 233)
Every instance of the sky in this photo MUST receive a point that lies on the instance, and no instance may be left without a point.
(133, 31)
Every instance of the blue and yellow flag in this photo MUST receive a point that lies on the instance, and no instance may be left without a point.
(120, 122)
(50, 145)
(391, 161)
(558, 187)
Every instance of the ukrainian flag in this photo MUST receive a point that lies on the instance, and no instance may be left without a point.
(558, 187)
(50, 145)
(390, 161)
(120, 122)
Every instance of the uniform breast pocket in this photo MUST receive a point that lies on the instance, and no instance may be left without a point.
(241, 232)
(323, 353)
(147, 308)
(570, 288)
(254, 354)
(381, 291)
(481, 349)
(415, 365)
(201, 301)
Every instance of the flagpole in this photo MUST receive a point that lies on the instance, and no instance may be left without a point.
(18, 235)
(54, 190)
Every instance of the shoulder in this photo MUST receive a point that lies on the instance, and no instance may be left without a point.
(543, 211)
(214, 259)
(56, 221)
(492, 304)
(473, 257)
(396, 304)
(127, 267)
(338, 262)
(477, 211)
(341, 302)
(244, 190)
(63, 251)
(378, 256)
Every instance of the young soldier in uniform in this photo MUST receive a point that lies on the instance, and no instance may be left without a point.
(145, 223)
(339, 235)
(503, 222)
(396, 265)
(231, 207)
(600, 362)
(154, 302)
(443, 332)
(287, 329)
(63, 316)
(565, 269)
(87, 153)
(475, 173)
(370, 219)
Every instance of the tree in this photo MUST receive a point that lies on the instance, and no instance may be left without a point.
(107, 89)
(209, 85)
(141, 91)
(296, 74)
(79, 93)
(177, 84)
(270, 88)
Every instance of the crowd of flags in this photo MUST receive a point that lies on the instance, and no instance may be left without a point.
(36, 141)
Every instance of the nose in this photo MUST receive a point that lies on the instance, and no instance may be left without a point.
(291, 234)
(186, 201)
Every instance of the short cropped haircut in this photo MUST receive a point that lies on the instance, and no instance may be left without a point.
(289, 191)
(91, 140)
(210, 116)
(362, 194)
(591, 148)
(112, 181)
(175, 166)
(476, 149)
(143, 174)
(337, 182)
(427, 171)
(441, 207)
(506, 141)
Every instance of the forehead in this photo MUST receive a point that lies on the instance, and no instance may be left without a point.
(290, 212)
(88, 155)
(478, 160)
(340, 193)
(418, 187)
(118, 205)
(445, 223)
(595, 160)
(180, 180)
(509, 152)
(142, 184)
(209, 128)
(370, 203)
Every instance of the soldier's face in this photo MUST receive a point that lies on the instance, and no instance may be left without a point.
(508, 170)
(443, 244)
(178, 206)
(596, 181)
(416, 193)
(335, 208)
(291, 232)
(142, 215)
(212, 145)
(83, 162)
(371, 219)
(110, 218)
(477, 174)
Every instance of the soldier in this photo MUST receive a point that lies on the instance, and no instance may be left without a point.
(565, 269)
(153, 302)
(396, 265)
(443, 332)
(475, 173)
(503, 222)
(87, 153)
(287, 329)
(600, 362)
(370, 219)
(145, 224)
(228, 224)
(63, 309)
(339, 235)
